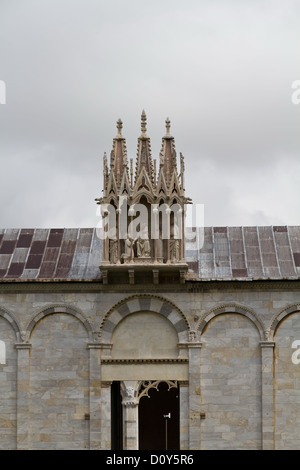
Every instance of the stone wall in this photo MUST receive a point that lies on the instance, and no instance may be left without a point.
(233, 356)
(59, 384)
(231, 384)
(8, 387)
(287, 383)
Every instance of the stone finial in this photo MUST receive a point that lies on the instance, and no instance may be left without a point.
(119, 127)
(143, 123)
(168, 125)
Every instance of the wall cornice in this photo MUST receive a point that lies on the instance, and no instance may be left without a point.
(84, 286)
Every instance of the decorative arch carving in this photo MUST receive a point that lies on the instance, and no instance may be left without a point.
(276, 320)
(146, 385)
(231, 308)
(58, 308)
(144, 302)
(133, 391)
(143, 193)
(4, 313)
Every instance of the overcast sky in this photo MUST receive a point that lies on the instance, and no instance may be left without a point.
(221, 70)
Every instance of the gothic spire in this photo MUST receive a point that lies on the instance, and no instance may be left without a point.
(144, 159)
(168, 161)
(143, 124)
(119, 161)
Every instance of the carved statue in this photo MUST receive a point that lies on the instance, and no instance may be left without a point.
(129, 242)
(143, 248)
(160, 247)
(143, 244)
(174, 250)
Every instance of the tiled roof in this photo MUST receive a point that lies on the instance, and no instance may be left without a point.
(49, 254)
(226, 253)
(271, 252)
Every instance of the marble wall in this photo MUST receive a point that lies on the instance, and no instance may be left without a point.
(232, 351)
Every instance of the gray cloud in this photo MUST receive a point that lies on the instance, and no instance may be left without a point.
(222, 71)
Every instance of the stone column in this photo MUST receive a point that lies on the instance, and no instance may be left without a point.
(23, 390)
(194, 395)
(118, 235)
(184, 414)
(105, 242)
(105, 413)
(105, 399)
(154, 220)
(168, 212)
(182, 247)
(267, 382)
(130, 416)
(95, 396)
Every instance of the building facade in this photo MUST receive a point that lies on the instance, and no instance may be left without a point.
(149, 339)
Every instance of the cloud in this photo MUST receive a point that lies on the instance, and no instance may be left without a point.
(222, 71)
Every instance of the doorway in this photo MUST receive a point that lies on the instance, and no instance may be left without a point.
(116, 417)
(159, 418)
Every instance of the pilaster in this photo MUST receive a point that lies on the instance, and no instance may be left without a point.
(105, 416)
(130, 416)
(267, 381)
(184, 415)
(95, 396)
(194, 349)
(23, 392)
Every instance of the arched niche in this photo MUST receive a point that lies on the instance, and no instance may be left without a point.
(230, 371)
(286, 333)
(144, 335)
(59, 380)
(144, 303)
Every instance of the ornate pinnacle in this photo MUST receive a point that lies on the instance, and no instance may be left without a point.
(143, 123)
(168, 125)
(119, 127)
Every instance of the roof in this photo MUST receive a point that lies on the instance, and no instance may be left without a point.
(227, 253)
(43, 254)
(271, 252)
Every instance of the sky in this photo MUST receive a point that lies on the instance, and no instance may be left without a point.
(221, 70)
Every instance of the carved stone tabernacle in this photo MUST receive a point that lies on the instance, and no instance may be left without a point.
(143, 215)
